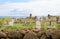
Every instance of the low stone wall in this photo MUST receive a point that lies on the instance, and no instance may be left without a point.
(30, 33)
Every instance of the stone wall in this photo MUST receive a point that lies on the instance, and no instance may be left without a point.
(30, 33)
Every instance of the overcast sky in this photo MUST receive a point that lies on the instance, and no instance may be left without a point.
(25, 7)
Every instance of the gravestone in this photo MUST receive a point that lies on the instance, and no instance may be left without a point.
(11, 22)
(38, 24)
(58, 20)
(51, 23)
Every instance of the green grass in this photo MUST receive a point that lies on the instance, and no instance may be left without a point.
(31, 25)
(19, 26)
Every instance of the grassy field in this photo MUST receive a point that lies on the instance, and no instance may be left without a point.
(19, 26)
(32, 24)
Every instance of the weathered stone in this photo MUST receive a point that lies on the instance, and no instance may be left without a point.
(30, 35)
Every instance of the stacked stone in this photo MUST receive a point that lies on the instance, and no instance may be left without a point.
(29, 33)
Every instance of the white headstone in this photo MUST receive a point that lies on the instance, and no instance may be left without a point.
(11, 23)
(38, 25)
(52, 23)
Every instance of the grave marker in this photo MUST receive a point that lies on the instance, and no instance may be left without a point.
(58, 20)
(38, 24)
(11, 22)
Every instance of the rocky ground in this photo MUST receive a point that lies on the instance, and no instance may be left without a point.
(30, 33)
